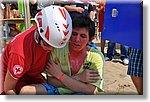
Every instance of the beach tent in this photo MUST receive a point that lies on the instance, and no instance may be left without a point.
(123, 22)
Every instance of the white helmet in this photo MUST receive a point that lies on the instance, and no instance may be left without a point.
(54, 25)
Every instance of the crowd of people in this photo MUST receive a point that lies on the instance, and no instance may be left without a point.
(61, 47)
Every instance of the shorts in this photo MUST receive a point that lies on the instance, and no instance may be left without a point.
(51, 90)
(135, 67)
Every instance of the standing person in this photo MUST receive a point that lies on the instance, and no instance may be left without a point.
(101, 24)
(79, 8)
(135, 69)
(26, 55)
(33, 8)
(111, 51)
(76, 68)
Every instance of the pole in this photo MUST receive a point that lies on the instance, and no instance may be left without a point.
(27, 13)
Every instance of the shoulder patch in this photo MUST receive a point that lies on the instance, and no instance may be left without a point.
(17, 69)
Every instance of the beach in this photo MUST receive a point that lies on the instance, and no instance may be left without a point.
(116, 80)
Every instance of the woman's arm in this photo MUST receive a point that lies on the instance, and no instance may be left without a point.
(71, 8)
(87, 76)
(75, 85)
(55, 82)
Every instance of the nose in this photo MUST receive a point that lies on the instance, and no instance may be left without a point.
(77, 38)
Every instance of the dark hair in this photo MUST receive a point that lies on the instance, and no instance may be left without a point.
(82, 21)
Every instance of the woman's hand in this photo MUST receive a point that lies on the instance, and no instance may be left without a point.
(54, 68)
(89, 76)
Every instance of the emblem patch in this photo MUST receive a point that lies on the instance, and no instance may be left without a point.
(17, 69)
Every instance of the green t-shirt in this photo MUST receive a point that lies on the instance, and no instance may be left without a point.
(94, 57)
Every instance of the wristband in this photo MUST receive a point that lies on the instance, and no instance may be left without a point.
(61, 76)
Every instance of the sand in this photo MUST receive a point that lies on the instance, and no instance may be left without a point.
(116, 80)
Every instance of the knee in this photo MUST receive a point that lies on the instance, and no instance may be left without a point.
(27, 90)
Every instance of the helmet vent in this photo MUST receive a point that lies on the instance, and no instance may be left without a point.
(57, 27)
(41, 30)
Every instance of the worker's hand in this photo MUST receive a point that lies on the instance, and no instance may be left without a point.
(54, 68)
(89, 76)
(79, 9)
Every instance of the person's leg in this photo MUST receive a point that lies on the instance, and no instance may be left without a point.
(39, 89)
(103, 45)
(35, 89)
(30, 85)
(138, 82)
(124, 52)
(110, 51)
(135, 69)
(96, 30)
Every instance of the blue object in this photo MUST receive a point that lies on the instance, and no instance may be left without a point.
(51, 90)
(123, 22)
(22, 15)
(92, 44)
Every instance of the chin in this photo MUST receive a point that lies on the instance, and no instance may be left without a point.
(76, 49)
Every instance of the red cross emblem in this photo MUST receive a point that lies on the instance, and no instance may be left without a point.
(17, 69)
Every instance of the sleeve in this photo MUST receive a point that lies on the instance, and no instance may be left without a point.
(97, 60)
(16, 66)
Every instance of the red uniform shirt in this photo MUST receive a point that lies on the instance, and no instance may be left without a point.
(24, 59)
